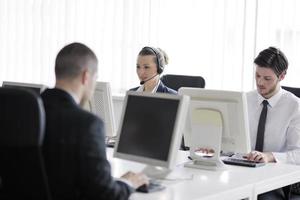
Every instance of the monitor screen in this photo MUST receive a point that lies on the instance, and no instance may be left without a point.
(233, 109)
(144, 127)
(151, 128)
(37, 88)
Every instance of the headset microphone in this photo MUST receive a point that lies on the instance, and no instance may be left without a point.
(143, 82)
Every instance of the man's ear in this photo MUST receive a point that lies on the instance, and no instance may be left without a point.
(85, 77)
(282, 76)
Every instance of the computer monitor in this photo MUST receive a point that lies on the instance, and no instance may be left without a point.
(37, 88)
(233, 108)
(101, 105)
(151, 129)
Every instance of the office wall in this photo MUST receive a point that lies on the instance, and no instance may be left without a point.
(216, 39)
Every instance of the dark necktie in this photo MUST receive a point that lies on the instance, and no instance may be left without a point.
(261, 127)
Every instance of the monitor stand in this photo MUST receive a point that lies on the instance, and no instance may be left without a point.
(156, 172)
(206, 135)
(215, 164)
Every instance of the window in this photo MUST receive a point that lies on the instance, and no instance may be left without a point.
(216, 39)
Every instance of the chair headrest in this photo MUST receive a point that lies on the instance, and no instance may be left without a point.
(22, 118)
(176, 81)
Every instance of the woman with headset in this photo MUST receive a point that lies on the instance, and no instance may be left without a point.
(150, 64)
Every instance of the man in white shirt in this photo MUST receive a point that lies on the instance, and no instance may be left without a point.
(275, 129)
(282, 128)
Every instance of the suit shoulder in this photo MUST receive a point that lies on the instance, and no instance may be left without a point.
(134, 89)
(171, 91)
(164, 89)
(88, 116)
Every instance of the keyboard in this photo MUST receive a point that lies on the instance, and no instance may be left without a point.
(152, 187)
(242, 162)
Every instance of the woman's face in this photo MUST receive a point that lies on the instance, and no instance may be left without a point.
(146, 67)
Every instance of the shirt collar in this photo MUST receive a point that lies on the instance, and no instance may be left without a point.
(74, 96)
(141, 88)
(273, 100)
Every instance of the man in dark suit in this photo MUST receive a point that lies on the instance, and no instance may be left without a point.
(74, 148)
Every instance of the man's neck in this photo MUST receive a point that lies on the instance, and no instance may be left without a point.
(268, 96)
(69, 88)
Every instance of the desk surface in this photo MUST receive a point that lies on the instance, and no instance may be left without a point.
(233, 182)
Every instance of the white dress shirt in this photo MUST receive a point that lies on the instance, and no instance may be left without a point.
(282, 129)
(141, 88)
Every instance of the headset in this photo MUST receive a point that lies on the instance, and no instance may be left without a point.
(160, 67)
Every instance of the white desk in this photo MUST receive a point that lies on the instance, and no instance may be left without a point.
(234, 182)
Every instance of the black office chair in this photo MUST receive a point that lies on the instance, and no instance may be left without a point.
(295, 188)
(295, 91)
(177, 81)
(22, 123)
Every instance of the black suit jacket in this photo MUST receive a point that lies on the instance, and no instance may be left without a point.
(161, 89)
(75, 152)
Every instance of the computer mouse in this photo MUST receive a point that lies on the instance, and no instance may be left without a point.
(143, 188)
(151, 187)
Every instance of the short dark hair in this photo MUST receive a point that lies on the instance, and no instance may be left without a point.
(72, 59)
(272, 58)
